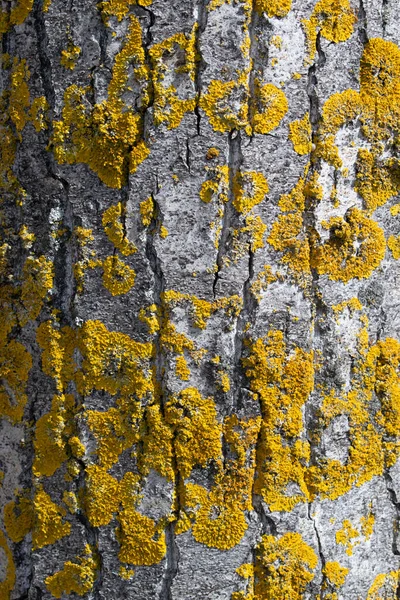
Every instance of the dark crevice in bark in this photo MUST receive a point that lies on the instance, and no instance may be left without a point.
(147, 41)
(172, 562)
(385, 5)
(396, 505)
(202, 16)
(42, 41)
(362, 24)
(267, 523)
(320, 552)
(235, 160)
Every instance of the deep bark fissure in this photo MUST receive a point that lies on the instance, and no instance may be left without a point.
(202, 16)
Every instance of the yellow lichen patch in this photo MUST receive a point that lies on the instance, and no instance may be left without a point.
(113, 226)
(147, 211)
(18, 518)
(181, 368)
(15, 364)
(367, 525)
(282, 382)
(353, 304)
(75, 577)
(151, 315)
(27, 237)
(395, 210)
(19, 94)
(219, 513)
(220, 103)
(57, 356)
(355, 248)
(273, 8)
(70, 56)
(113, 362)
(287, 233)
(270, 106)
(107, 136)
(223, 381)
(201, 310)
(346, 536)
(376, 181)
(120, 8)
(101, 498)
(51, 433)
(335, 573)
(176, 54)
(264, 278)
(125, 573)
(163, 232)
(334, 19)
(115, 430)
(197, 433)
(217, 186)
(48, 525)
(142, 542)
(284, 567)
(300, 135)
(16, 16)
(384, 587)
(394, 246)
(8, 581)
(249, 188)
(118, 277)
(157, 439)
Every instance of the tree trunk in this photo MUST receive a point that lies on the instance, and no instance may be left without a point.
(199, 388)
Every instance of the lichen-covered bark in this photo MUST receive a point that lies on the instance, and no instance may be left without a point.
(200, 331)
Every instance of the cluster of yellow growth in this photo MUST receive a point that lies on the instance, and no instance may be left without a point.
(353, 304)
(75, 577)
(300, 135)
(384, 587)
(333, 19)
(335, 573)
(18, 517)
(70, 56)
(8, 580)
(367, 525)
(219, 513)
(21, 109)
(284, 567)
(51, 436)
(251, 234)
(223, 381)
(107, 137)
(57, 357)
(273, 8)
(201, 310)
(181, 368)
(168, 107)
(120, 8)
(113, 362)
(147, 211)
(287, 233)
(282, 382)
(355, 248)
(347, 536)
(394, 246)
(157, 451)
(197, 433)
(395, 210)
(262, 281)
(101, 499)
(246, 571)
(270, 106)
(217, 185)
(16, 16)
(21, 302)
(118, 277)
(220, 101)
(376, 180)
(114, 229)
(48, 525)
(151, 315)
(249, 189)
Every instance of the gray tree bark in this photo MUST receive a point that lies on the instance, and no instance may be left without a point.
(199, 339)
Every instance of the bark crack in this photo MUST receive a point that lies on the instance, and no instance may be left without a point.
(202, 17)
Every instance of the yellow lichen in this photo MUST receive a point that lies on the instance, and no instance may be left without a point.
(284, 567)
(75, 577)
(118, 277)
(335, 573)
(70, 56)
(271, 106)
(300, 135)
(147, 210)
(48, 525)
(101, 496)
(273, 8)
(114, 229)
(250, 188)
(18, 518)
(384, 587)
(394, 246)
(8, 581)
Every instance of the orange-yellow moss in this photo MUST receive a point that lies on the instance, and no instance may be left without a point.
(147, 211)
(70, 56)
(101, 499)
(48, 525)
(300, 135)
(384, 587)
(284, 567)
(346, 535)
(273, 8)
(75, 577)
(220, 105)
(142, 542)
(394, 246)
(264, 278)
(114, 229)
(335, 573)
(15, 364)
(181, 368)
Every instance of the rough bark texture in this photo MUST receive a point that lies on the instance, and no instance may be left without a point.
(199, 269)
